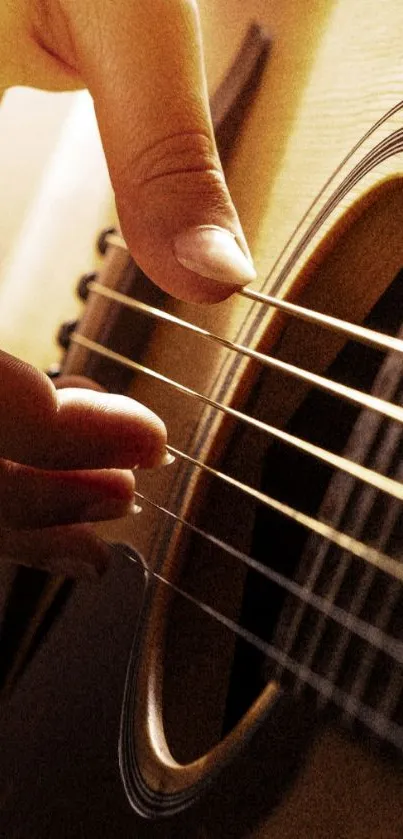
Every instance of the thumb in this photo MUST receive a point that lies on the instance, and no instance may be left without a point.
(144, 67)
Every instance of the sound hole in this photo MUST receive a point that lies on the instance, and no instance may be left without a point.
(212, 677)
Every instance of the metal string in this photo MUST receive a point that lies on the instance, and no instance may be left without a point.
(334, 584)
(382, 152)
(349, 156)
(388, 148)
(367, 336)
(336, 579)
(362, 585)
(371, 555)
(381, 641)
(356, 470)
(357, 397)
(373, 719)
(374, 636)
(391, 697)
(378, 723)
(381, 622)
(343, 540)
(350, 330)
(368, 656)
(353, 331)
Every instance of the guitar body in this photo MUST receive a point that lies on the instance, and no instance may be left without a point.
(334, 246)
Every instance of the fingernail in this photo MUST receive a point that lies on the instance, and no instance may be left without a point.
(136, 509)
(213, 252)
(108, 508)
(167, 459)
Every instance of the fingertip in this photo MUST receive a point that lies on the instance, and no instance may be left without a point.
(167, 233)
(214, 253)
(74, 381)
(104, 430)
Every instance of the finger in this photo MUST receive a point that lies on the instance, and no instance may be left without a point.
(143, 64)
(73, 551)
(73, 428)
(72, 380)
(105, 430)
(33, 498)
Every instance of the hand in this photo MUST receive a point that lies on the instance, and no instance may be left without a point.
(143, 65)
(66, 456)
(142, 62)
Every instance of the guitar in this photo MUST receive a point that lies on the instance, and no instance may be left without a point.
(266, 677)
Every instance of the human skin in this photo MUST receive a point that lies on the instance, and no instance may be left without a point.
(66, 456)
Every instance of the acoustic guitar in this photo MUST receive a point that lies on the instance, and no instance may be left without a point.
(263, 694)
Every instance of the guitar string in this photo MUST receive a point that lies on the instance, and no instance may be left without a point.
(351, 706)
(356, 470)
(387, 703)
(334, 584)
(322, 192)
(201, 465)
(375, 637)
(378, 154)
(394, 344)
(391, 436)
(369, 554)
(245, 558)
(363, 551)
(371, 336)
(381, 620)
(389, 148)
(374, 158)
(348, 331)
(117, 240)
(362, 444)
(333, 324)
(357, 397)
(319, 576)
(375, 721)
(362, 334)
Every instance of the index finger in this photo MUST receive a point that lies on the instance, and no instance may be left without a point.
(73, 428)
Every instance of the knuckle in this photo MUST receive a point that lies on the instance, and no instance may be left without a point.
(174, 155)
(179, 178)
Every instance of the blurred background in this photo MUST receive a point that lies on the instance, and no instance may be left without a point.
(56, 196)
